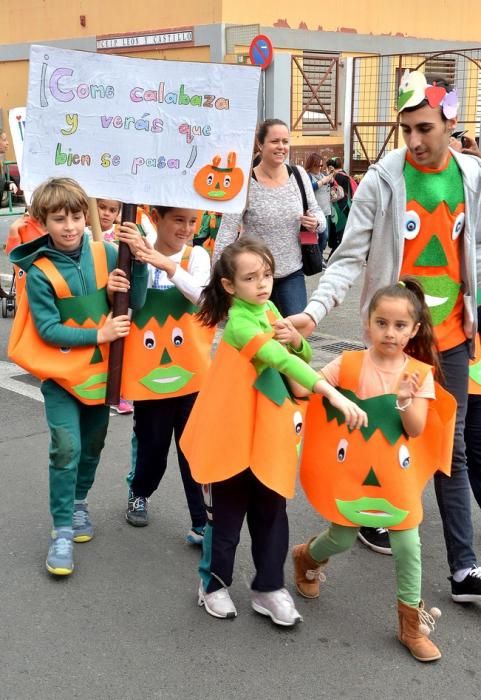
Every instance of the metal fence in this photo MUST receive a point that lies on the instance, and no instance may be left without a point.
(375, 83)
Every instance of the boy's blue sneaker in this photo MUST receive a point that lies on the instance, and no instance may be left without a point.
(60, 554)
(196, 536)
(83, 530)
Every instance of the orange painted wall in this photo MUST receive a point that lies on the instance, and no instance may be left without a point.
(459, 21)
(41, 20)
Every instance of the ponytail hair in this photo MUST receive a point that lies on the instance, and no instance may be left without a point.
(215, 301)
(423, 345)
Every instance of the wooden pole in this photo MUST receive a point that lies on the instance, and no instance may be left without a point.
(95, 220)
(120, 306)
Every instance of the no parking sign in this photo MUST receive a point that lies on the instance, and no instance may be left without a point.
(261, 51)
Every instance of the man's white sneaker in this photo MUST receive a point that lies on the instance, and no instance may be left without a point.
(218, 603)
(278, 605)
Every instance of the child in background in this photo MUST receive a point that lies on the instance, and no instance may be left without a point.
(378, 478)
(66, 292)
(209, 225)
(244, 432)
(109, 212)
(165, 360)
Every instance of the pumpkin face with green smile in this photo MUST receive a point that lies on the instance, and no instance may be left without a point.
(431, 252)
(167, 351)
(375, 476)
(88, 363)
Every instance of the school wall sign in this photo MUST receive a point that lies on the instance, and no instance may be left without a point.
(144, 41)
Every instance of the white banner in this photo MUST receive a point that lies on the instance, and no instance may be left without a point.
(171, 133)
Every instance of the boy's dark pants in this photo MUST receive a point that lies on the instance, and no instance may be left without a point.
(77, 437)
(154, 424)
(229, 502)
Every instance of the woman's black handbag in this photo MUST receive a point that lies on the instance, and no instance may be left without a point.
(311, 253)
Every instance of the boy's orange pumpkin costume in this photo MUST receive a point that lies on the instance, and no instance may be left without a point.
(375, 476)
(167, 351)
(82, 371)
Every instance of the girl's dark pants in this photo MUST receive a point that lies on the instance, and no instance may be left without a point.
(228, 503)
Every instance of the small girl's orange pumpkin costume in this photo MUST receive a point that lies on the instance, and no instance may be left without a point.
(242, 420)
(375, 476)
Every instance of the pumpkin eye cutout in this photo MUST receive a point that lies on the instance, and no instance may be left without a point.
(210, 179)
(20, 274)
(457, 226)
(412, 224)
(342, 450)
(227, 181)
(149, 340)
(297, 420)
(177, 337)
(404, 457)
(65, 350)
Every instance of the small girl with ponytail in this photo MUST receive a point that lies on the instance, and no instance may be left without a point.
(378, 481)
(243, 435)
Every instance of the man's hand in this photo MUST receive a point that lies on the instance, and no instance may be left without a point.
(286, 334)
(303, 323)
(470, 147)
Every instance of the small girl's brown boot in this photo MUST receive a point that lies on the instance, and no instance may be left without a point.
(307, 571)
(415, 625)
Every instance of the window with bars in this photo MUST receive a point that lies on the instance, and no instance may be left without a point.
(440, 67)
(314, 93)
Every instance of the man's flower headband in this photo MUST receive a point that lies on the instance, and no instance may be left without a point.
(414, 89)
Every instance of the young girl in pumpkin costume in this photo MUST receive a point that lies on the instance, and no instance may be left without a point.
(165, 361)
(244, 433)
(376, 477)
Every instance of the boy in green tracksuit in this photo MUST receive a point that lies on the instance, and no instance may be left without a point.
(69, 283)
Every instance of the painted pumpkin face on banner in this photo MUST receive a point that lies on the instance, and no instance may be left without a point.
(167, 351)
(372, 477)
(214, 182)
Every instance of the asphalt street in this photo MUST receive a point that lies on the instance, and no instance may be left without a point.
(126, 624)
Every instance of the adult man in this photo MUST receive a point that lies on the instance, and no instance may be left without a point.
(418, 211)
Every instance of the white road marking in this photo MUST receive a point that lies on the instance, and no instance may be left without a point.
(9, 370)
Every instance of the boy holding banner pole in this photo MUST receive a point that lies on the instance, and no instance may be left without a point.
(61, 334)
